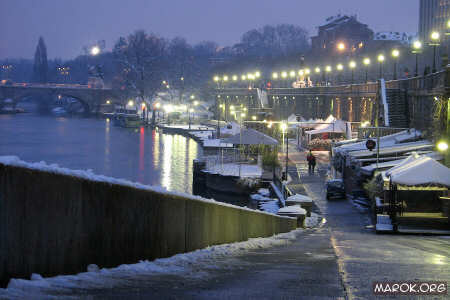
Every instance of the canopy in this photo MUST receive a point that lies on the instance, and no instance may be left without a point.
(422, 171)
(294, 209)
(299, 198)
(338, 126)
(251, 137)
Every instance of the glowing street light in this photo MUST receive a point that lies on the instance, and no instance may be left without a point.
(317, 70)
(108, 101)
(257, 74)
(339, 67)
(442, 146)
(341, 46)
(235, 78)
(366, 62)
(254, 118)
(216, 79)
(243, 77)
(352, 65)
(292, 74)
(434, 42)
(417, 49)
(195, 103)
(380, 59)
(395, 54)
(130, 103)
(328, 70)
(225, 78)
(95, 50)
(275, 75)
(284, 74)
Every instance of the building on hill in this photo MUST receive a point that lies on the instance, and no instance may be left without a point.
(341, 33)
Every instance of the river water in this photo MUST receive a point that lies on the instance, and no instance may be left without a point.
(143, 155)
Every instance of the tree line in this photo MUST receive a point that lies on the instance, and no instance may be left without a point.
(141, 61)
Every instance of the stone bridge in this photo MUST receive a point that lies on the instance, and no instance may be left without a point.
(89, 97)
(414, 102)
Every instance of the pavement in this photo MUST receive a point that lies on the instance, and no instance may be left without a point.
(338, 260)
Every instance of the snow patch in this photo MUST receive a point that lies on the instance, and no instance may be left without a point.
(185, 263)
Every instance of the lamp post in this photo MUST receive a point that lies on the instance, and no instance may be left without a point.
(284, 131)
(434, 42)
(284, 76)
(317, 70)
(417, 49)
(380, 61)
(366, 62)
(328, 70)
(395, 54)
(352, 66)
(339, 67)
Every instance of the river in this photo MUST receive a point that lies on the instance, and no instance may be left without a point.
(143, 155)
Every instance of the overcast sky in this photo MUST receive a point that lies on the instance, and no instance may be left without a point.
(68, 25)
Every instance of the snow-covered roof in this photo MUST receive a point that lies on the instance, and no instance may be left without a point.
(299, 198)
(251, 137)
(420, 171)
(394, 149)
(385, 141)
(337, 126)
(293, 209)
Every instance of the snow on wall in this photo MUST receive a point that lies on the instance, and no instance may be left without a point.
(90, 175)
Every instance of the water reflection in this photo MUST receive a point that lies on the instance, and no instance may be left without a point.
(142, 155)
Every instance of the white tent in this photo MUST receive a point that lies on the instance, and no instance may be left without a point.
(422, 171)
(337, 126)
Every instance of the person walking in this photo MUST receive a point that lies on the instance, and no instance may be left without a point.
(311, 162)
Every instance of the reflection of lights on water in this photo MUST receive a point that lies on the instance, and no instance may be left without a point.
(106, 162)
(167, 161)
(438, 259)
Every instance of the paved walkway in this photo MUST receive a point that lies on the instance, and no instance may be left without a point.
(339, 260)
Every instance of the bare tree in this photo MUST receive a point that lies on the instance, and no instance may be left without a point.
(140, 58)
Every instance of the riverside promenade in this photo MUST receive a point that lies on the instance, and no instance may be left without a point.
(338, 260)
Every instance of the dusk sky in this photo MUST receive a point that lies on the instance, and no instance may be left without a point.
(68, 25)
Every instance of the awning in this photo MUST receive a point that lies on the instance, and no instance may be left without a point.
(422, 171)
(337, 126)
(250, 137)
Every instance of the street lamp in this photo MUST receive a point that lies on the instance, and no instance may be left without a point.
(274, 75)
(284, 127)
(352, 66)
(95, 50)
(341, 46)
(434, 42)
(442, 146)
(380, 59)
(328, 70)
(417, 49)
(339, 67)
(395, 54)
(366, 62)
(292, 74)
(235, 78)
(317, 71)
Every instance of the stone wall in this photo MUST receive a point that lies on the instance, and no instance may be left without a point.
(53, 224)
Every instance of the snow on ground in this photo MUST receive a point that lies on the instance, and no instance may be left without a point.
(264, 192)
(193, 127)
(89, 175)
(270, 206)
(190, 263)
(312, 221)
(232, 169)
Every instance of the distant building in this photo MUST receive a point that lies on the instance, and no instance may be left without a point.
(433, 16)
(400, 37)
(342, 30)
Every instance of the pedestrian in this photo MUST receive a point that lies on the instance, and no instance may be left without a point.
(311, 162)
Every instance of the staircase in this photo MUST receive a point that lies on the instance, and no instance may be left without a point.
(397, 108)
